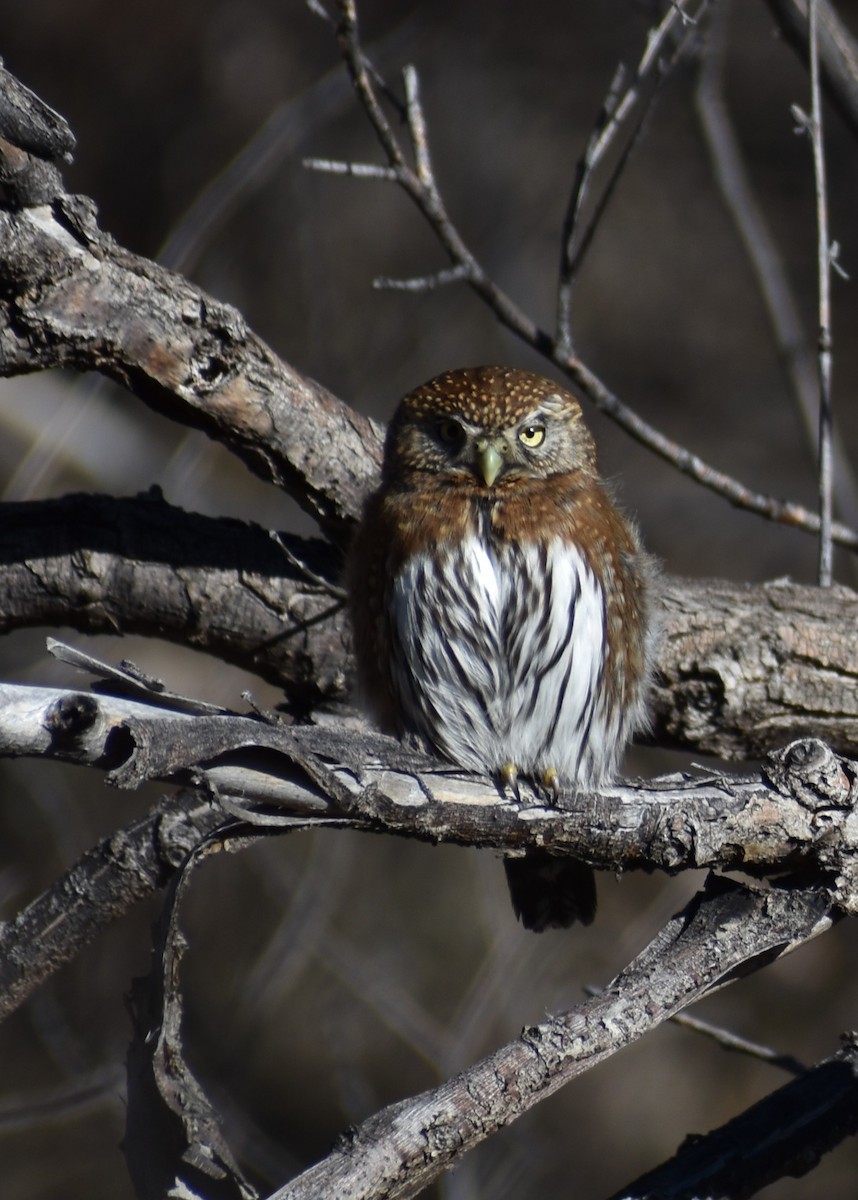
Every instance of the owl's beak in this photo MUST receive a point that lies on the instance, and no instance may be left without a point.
(489, 462)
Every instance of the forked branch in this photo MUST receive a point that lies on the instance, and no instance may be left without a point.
(421, 186)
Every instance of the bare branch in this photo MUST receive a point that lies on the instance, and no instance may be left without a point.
(370, 782)
(426, 195)
(824, 286)
(617, 108)
(838, 51)
(423, 283)
(785, 1134)
(400, 1150)
(91, 305)
(765, 258)
(742, 669)
(173, 1141)
(140, 565)
(332, 166)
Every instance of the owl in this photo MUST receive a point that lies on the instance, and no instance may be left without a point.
(501, 602)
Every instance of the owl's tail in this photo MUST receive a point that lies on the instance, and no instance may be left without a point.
(549, 892)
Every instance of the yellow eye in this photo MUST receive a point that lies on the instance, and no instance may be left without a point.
(531, 436)
(451, 432)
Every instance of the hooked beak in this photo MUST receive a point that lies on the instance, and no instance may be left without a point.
(489, 462)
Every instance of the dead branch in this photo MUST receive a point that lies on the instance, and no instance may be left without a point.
(742, 669)
(123, 565)
(400, 1150)
(785, 1134)
(421, 186)
(74, 298)
(622, 105)
(838, 51)
(796, 814)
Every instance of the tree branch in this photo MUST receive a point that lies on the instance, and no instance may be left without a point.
(400, 1150)
(369, 781)
(141, 566)
(786, 1133)
(796, 814)
(838, 51)
(742, 669)
(74, 298)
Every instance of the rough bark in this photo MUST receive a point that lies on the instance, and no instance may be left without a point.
(138, 565)
(743, 668)
(73, 298)
(400, 1150)
(795, 815)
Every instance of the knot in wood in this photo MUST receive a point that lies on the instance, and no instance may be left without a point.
(809, 772)
(71, 716)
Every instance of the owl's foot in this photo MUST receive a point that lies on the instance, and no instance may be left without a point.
(508, 776)
(547, 784)
(550, 780)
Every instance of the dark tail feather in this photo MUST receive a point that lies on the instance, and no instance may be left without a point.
(549, 892)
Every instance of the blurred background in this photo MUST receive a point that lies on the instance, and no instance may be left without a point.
(330, 974)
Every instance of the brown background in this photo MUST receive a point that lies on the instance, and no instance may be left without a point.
(330, 974)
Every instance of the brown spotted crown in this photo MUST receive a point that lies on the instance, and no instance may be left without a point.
(495, 401)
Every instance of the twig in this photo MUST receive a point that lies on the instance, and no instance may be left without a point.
(732, 1041)
(728, 1040)
(824, 284)
(616, 108)
(420, 283)
(305, 571)
(838, 51)
(422, 188)
(764, 257)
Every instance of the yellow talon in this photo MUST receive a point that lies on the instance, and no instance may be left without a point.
(509, 779)
(551, 780)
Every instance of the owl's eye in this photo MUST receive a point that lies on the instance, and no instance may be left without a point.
(451, 432)
(531, 436)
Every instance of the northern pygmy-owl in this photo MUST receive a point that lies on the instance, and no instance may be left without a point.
(500, 601)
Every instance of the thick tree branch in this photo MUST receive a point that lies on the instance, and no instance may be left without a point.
(784, 1134)
(138, 565)
(400, 1150)
(742, 669)
(796, 815)
(796, 810)
(73, 298)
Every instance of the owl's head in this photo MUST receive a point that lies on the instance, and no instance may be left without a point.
(489, 424)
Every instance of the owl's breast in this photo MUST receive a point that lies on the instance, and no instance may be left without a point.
(498, 652)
